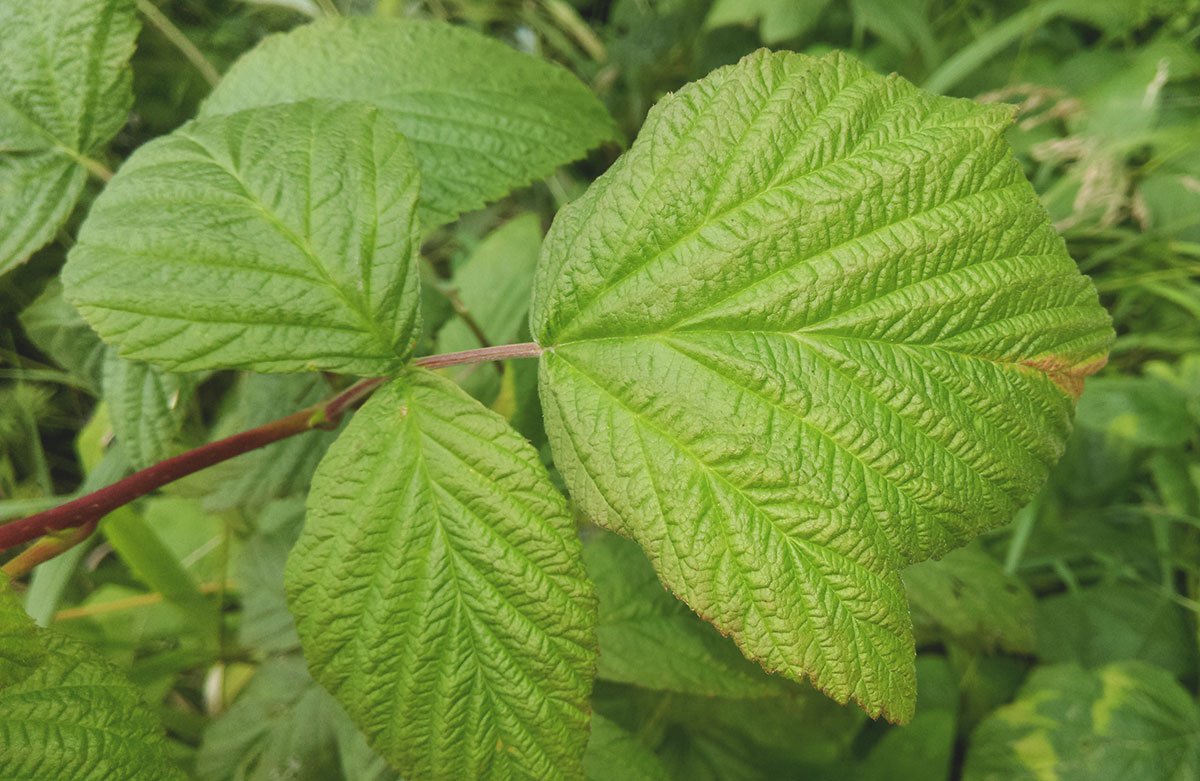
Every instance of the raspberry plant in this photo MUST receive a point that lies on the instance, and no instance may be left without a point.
(811, 328)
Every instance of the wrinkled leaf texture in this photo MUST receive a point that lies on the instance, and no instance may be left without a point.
(67, 713)
(813, 327)
(439, 591)
(282, 238)
(481, 118)
(65, 91)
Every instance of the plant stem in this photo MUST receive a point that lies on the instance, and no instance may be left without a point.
(83, 513)
(160, 22)
(46, 548)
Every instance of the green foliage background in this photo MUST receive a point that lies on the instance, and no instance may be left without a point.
(1064, 642)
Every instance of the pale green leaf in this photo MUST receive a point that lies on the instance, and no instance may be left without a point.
(278, 239)
(649, 638)
(1124, 721)
(146, 407)
(967, 597)
(77, 717)
(813, 327)
(439, 593)
(481, 118)
(65, 91)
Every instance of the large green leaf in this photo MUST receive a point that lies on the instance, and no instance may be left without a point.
(439, 593)
(812, 328)
(65, 91)
(75, 716)
(481, 118)
(277, 239)
(1124, 721)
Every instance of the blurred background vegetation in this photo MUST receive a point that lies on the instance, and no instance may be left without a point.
(1039, 643)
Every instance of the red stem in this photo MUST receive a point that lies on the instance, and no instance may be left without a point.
(94, 506)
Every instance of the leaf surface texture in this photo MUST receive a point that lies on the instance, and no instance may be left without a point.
(811, 328)
(481, 118)
(65, 91)
(439, 592)
(277, 239)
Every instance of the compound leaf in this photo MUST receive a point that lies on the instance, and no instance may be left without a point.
(65, 91)
(1126, 720)
(811, 328)
(76, 716)
(439, 593)
(481, 118)
(277, 239)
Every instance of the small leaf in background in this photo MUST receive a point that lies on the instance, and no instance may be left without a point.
(615, 755)
(1116, 622)
(65, 91)
(493, 286)
(438, 590)
(60, 332)
(75, 716)
(266, 624)
(778, 20)
(282, 469)
(966, 597)
(281, 726)
(649, 638)
(1123, 721)
(146, 407)
(278, 239)
(481, 118)
(813, 327)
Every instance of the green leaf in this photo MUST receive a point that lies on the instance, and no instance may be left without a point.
(20, 649)
(1116, 622)
(146, 407)
(77, 717)
(439, 593)
(279, 470)
(1123, 721)
(649, 638)
(813, 327)
(65, 91)
(58, 330)
(481, 118)
(615, 755)
(280, 727)
(493, 285)
(278, 239)
(967, 597)
(778, 20)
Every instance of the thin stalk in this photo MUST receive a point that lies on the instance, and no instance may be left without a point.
(160, 22)
(95, 168)
(90, 508)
